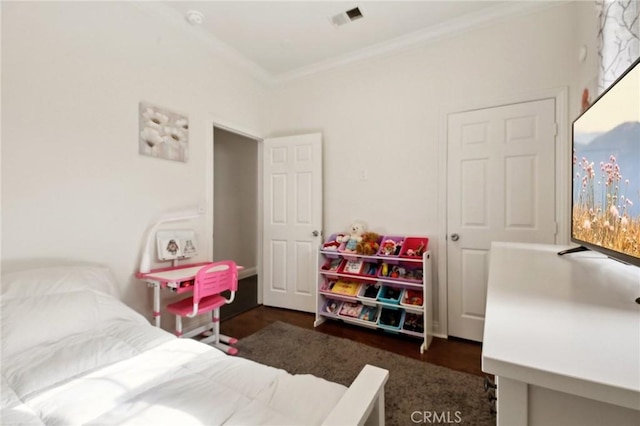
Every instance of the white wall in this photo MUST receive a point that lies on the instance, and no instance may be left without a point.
(385, 115)
(73, 184)
(235, 225)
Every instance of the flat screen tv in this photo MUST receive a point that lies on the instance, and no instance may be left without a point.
(605, 207)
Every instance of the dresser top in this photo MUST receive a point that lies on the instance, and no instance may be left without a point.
(568, 322)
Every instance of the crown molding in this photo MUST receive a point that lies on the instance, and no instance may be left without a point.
(452, 27)
(418, 38)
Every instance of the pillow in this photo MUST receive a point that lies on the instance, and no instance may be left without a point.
(58, 279)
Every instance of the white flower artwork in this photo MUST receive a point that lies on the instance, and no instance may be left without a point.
(163, 133)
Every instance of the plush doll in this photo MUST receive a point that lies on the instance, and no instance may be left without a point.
(353, 237)
(369, 244)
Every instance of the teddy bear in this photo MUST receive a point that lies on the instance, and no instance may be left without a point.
(369, 244)
(353, 237)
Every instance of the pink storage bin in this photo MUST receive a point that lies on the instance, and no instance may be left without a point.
(407, 272)
(417, 245)
(390, 247)
(331, 246)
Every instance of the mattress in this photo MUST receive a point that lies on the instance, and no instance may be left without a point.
(78, 355)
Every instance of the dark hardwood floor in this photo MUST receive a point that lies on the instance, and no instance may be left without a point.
(457, 354)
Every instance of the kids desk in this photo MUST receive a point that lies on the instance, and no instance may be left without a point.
(178, 279)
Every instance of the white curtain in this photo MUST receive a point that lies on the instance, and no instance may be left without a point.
(618, 38)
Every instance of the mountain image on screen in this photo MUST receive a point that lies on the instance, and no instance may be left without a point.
(606, 188)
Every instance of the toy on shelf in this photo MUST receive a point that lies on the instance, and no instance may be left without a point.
(390, 295)
(346, 288)
(370, 268)
(413, 322)
(401, 272)
(352, 266)
(351, 309)
(333, 242)
(414, 247)
(369, 245)
(332, 265)
(369, 313)
(390, 318)
(369, 292)
(332, 306)
(391, 246)
(353, 238)
(411, 298)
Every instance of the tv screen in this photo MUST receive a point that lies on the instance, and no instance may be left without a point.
(606, 171)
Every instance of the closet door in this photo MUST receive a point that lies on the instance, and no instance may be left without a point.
(500, 187)
(292, 220)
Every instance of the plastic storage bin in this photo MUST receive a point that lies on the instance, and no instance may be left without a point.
(351, 266)
(327, 285)
(332, 265)
(350, 309)
(369, 314)
(331, 246)
(369, 292)
(408, 272)
(370, 269)
(346, 288)
(414, 247)
(332, 306)
(391, 318)
(391, 246)
(412, 298)
(390, 295)
(413, 322)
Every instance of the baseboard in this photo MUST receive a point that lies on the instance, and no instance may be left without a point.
(247, 272)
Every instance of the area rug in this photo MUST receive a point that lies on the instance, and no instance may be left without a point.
(416, 392)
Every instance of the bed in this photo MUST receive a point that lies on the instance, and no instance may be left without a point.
(73, 353)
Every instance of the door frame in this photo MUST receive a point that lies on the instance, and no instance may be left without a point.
(562, 169)
(212, 121)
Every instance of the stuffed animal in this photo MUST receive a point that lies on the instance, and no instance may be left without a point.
(353, 237)
(369, 244)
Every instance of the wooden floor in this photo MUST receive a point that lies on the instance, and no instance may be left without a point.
(457, 354)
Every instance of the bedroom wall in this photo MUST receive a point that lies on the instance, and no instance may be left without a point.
(73, 184)
(384, 116)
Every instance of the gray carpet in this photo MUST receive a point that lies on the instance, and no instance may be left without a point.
(438, 395)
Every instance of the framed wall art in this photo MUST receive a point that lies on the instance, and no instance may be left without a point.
(163, 133)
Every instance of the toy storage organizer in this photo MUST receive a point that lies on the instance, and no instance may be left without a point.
(390, 290)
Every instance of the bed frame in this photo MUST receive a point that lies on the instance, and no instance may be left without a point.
(363, 402)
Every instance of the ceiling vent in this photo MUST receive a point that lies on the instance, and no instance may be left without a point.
(345, 17)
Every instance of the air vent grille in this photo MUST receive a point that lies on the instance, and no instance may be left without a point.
(354, 13)
(346, 17)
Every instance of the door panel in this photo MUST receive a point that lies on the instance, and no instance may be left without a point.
(292, 176)
(500, 187)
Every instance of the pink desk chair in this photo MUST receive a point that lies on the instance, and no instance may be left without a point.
(210, 281)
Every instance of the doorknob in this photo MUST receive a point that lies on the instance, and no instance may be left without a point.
(316, 233)
(455, 237)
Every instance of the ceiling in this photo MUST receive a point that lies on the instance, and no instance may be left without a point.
(284, 39)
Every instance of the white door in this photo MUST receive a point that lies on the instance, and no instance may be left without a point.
(500, 187)
(292, 220)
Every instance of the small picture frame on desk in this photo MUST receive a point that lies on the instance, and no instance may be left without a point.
(178, 244)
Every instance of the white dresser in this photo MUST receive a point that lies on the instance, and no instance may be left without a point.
(562, 337)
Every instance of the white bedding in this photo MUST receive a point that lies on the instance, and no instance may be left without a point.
(74, 354)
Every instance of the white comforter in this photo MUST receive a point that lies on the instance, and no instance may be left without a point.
(83, 357)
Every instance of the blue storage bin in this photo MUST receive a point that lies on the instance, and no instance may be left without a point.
(391, 318)
(390, 295)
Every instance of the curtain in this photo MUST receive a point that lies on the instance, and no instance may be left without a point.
(618, 38)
